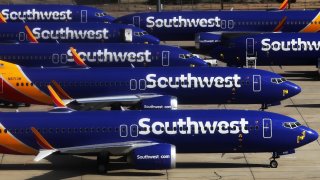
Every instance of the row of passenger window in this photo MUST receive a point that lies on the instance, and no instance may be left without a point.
(276, 22)
(112, 129)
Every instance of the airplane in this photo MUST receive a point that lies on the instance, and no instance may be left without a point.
(150, 140)
(97, 55)
(73, 32)
(269, 49)
(143, 88)
(52, 13)
(209, 26)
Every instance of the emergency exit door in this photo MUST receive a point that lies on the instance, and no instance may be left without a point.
(136, 21)
(250, 46)
(165, 58)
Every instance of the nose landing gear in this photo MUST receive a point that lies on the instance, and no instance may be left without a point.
(273, 162)
(102, 163)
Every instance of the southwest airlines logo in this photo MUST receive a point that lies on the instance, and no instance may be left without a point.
(190, 81)
(293, 45)
(33, 14)
(107, 56)
(189, 126)
(67, 33)
(183, 22)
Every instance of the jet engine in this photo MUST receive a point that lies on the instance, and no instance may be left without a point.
(161, 102)
(155, 157)
(205, 41)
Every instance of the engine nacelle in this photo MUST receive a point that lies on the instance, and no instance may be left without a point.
(206, 41)
(155, 157)
(161, 102)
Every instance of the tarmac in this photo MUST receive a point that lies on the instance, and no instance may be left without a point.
(304, 164)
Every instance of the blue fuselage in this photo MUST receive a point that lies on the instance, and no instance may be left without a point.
(98, 55)
(184, 25)
(74, 32)
(53, 13)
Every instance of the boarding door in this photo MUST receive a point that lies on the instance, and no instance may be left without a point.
(250, 47)
(136, 21)
(55, 58)
(267, 128)
(256, 83)
(84, 17)
(165, 58)
(128, 35)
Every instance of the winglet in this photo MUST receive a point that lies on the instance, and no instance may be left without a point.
(55, 98)
(30, 35)
(63, 94)
(2, 18)
(280, 25)
(284, 5)
(77, 58)
(40, 139)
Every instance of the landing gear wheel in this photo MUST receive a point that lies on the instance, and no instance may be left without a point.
(102, 163)
(273, 164)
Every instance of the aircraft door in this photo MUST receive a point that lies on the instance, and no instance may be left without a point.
(223, 24)
(128, 35)
(55, 58)
(267, 128)
(84, 16)
(165, 58)
(256, 83)
(134, 130)
(63, 59)
(142, 84)
(136, 21)
(250, 46)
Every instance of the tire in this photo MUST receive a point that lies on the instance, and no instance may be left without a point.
(273, 164)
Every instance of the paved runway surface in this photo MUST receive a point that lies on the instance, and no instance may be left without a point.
(305, 164)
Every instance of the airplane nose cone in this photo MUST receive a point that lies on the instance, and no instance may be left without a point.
(311, 136)
(291, 89)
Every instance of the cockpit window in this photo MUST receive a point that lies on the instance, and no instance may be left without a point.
(101, 14)
(291, 125)
(140, 33)
(278, 80)
(186, 56)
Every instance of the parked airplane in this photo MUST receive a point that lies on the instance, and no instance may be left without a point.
(144, 88)
(151, 139)
(73, 32)
(98, 54)
(270, 49)
(52, 13)
(208, 26)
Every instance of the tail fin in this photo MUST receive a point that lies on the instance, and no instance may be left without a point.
(77, 58)
(284, 5)
(30, 35)
(2, 18)
(55, 98)
(280, 25)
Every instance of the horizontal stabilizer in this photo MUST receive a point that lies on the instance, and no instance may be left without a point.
(43, 153)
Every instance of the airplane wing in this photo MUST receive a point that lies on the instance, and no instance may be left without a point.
(115, 148)
(62, 100)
